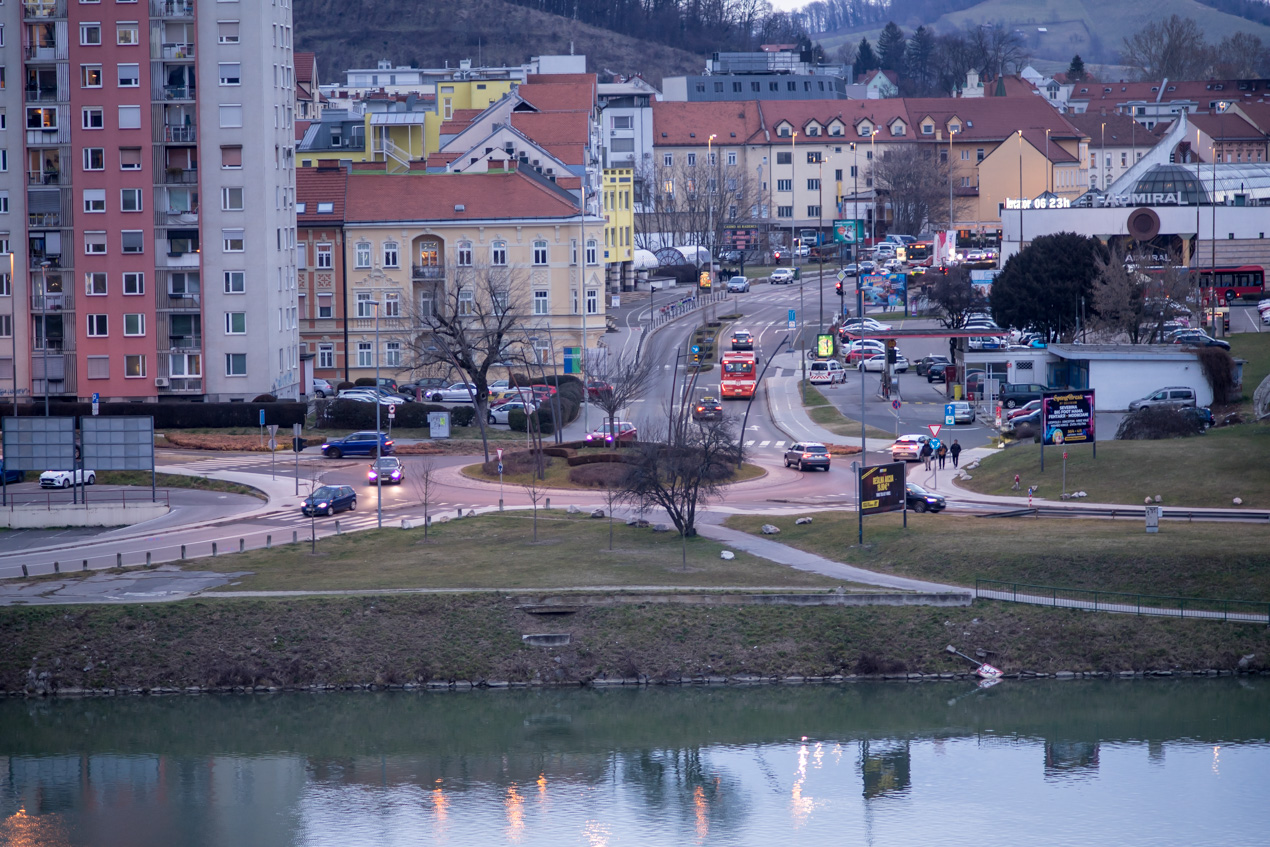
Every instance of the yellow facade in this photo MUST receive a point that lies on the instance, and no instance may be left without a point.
(470, 94)
(619, 215)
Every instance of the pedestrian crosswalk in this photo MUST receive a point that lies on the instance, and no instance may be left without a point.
(776, 444)
(234, 461)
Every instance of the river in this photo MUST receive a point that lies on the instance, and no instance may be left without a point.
(1124, 762)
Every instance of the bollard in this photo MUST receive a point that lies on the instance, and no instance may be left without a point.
(295, 536)
(337, 527)
(182, 552)
(548, 506)
(119, 560)
(427, 521)
(57, 567)
(405, 524)
(213, 548)
(500, 504)
(85, 567)
(242, 545)
(268, 542)
(148, 559)
(24, 571)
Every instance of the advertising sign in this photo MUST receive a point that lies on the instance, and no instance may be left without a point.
(1067, 417)
(824, 346)
(741, 237)
(882, 488)
(847, 232)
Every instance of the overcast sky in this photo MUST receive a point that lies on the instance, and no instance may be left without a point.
(787, 5)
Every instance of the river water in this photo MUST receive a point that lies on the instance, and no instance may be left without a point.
(1132, 762)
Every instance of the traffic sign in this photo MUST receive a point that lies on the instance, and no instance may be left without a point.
(500, 469)
(934, 429)
(841, 275)
(96, 402)
(499, 450)
(1064, 454)
(392, 411)
(950, 415)
(273, 444)
(696, 348)
(273, 430)
(262, 417)
(895, 404)
(793, 319)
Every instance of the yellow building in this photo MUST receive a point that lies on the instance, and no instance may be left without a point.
(619, 226)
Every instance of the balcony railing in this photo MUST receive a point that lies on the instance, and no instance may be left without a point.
(59, 302)
(43, 95)
(54, 260)
(43, 177)
(178, 92)
(176, 302)
(172, 8)
(182, 383)
(44, 52)
(183, 134)
(178, 176)
(185, 342)
(44, 219)
(60, 344)
(44, 8)
(427, 272)
(171, 51)
(48, 136)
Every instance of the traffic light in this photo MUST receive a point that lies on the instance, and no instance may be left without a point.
(777, 255)
(890, 355)
(838, 287)
(297, 444)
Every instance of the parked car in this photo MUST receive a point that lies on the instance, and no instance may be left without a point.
(65, 479)
(868, 266)
(1202, 414)
(806, 455)
(1024, 426)
(870, 326)
(827, 371)
(908, 447)
(963, 412)
(1173, 395)
(322, 388)
(781, 276)
(1199, 338)
(389, 468)
(329, 499)
(708, 409)
(499, 414)
(625, 431)
(851, 270)
(11, 476)
(858, 350)
(358, 444)
(921, 500)
(984, 342)
(458, 392)
(423, 386)
(742, 339)
(925, 364)
(598, 388)
(738, 284)
(1026, 409)
(878, 364)
(1017, 393)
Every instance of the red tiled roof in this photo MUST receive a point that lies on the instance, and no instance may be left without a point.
(691, 123)
(559, 79)
(1120, 129)
(301, 127)
(564, 134)
(993, 118)
(1258, 113)
(320, 185)
(560, 97)
(1229, 127)
(305, 65)
(433, 197)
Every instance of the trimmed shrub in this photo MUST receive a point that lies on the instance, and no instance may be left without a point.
(517, 421)
(459, 416)
(177, 415)
(598, 476)
(520, 462)
(350, 414)
(265, 398)
(600, 459)
(344, 386)
(558, 452)
(1155, 422)
(364, 382)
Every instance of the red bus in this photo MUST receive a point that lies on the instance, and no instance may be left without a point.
(739, 375)
(1232, 282)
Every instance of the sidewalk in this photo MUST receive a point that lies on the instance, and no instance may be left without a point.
(785, 405)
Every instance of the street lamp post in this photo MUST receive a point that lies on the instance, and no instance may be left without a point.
(952, 222)
(1049, 164)
(793, 175)
(1102, 165)
(379, 440)
(13, 337)
(710, 194)
(820, 253)
(1020, 132)
(44, 329)
(1222, 106)
(855, 210)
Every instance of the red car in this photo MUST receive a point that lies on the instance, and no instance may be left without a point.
(595, 388)
(625, 430)
(1026, 409)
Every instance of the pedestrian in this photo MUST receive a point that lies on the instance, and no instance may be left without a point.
(942, 455)
(955, 452)
(1016, 483)
(925, 453)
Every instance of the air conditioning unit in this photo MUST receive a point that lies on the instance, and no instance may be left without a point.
(160, 382)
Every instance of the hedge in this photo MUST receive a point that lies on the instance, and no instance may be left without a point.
(352, 414)
(176, 415)
(598, 476)
(601, 459)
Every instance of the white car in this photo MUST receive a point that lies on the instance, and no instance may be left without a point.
(908, 447)
(367, 395)
(499, 414)
(878, 364)
(781, 276)
(459, 392)
(65, 479)
(870, 325)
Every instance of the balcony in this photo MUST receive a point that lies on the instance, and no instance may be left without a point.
(57, 302)
(181, 176)
(172, 8)
(179, 302)
(178, 92)
(49, 177)
(185, 342)
(183, 134)
(427, 272)
(44, 52)
(43, 95)
(181, 384)
(54, 260)
(48, 136)
(40, 9)
(174, 52)
(44, 220)
(53, 344)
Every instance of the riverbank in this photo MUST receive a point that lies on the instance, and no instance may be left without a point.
(475, 639)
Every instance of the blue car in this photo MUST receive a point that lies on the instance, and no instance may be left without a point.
(329, 499)
(11, 476)
(358, 444)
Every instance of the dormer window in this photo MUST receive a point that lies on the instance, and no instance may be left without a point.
(954, 128)
(865, 129)
(897, 128)
(784, 131)
(928, 129)
(813, 131)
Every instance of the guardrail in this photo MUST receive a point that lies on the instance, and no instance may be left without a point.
(1153, 605)
(1170, 513)
(50, 497)
(684, 305)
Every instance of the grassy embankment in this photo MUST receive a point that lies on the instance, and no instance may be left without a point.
(164, 480)
(822, 412)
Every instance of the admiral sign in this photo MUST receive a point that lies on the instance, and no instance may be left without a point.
(882, 488)
(1067, 417)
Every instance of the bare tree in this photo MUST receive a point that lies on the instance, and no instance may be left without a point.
(1241, 56)
(691, 200)
(1173, 48)
(474, 323)
(624, 378)
(915, 182)
(535, 491)
(425, 484)
(684, 474)
(1132, 303)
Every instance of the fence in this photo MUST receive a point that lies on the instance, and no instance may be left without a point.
(99, 497)
(684, 305)
(1238, 611)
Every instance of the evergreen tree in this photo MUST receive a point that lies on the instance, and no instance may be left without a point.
(891, 44)
(919, 62)
(1076, 70)
(865, 59)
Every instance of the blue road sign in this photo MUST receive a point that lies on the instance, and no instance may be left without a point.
(895, 404)
(500, 467)
(949, 415)
(262, 417)
(696, 348)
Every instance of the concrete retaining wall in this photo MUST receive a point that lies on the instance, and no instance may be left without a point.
(68, 514)
(571, 602)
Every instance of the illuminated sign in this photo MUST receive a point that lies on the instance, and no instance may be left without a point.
(824, 346)
(882, 488)
(1015, 203)
(1067, 417)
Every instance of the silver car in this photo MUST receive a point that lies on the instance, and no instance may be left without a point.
(738, 283)
(963, 412)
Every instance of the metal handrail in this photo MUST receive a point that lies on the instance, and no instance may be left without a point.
(1243, 611)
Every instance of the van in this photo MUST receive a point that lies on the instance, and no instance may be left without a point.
(1174, 396)
(827, 371)
(885, 250)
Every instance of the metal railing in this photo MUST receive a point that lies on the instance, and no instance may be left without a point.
(172, 8)
(44, 8)
(178, 92)
(57, 302)
(43, 177)
(681, 306)
(50, 497)
(427, 272)
(180, 176)
(43, 95)
(42, 220)
(173, 50)
(1154, 605)
(185, 133)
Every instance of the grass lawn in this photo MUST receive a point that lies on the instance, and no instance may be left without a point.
(557, 475)
(1206, 470)
(822, 412)
(165, 480)
(1255, 348)
(498, 551)
(1185, 559)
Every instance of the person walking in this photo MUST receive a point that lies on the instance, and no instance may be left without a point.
(954, 451)
(942, 455)
(925, 453)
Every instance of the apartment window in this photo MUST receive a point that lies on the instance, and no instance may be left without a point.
(498, 253)
(129, 75)
(134, 367)
(326, 208)
(94, 200)
(325, 306)
(235, 323)
(95, 243)
(183, 285)
(324, 256)
(365, 308)
(1124, 159)
(784, 211)
(467, 302)
(99, 367)
(235, 282)
(94, 159)
(979, 154)
(464, 254)
(540, 252)
(126, 33)
(134, 324)
(130, 200)
(813, 211)
(90, 76)
(592, 301)
(129, 158)
(227, 32)
(813, 185)
(231, 157)
(185, 364)
(364, 355)
(668, 160)
(784, 185)
(302, 255)
(230, 73)
(231, 115)
(692, 159)
(813, 158)
(134, 283)
(232, 240)
(90, 34)
(542, 302)
(731, 157)
(622, 121)
(235, 364)
(95, 284)
(361, 255)
(133, 241)
(326, 356)
(92, 117)
(6, 331)
(231, 199)
(784, 158)
(6, 286)
(98, 326)
(130, 117)
(392, 354)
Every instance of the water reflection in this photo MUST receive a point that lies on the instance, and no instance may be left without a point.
(884, 764)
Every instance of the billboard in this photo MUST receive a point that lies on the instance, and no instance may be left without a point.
(118, 443)
(741, 237)
(882, 488)
(824, 346)
(1067, 417)
(848, 232)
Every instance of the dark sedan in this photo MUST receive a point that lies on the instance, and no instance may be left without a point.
(329, 499)
(932, 366)
(708, 409)
(358, 444)
(921, 500)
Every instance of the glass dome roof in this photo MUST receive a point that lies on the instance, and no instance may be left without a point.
(1173, 179)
